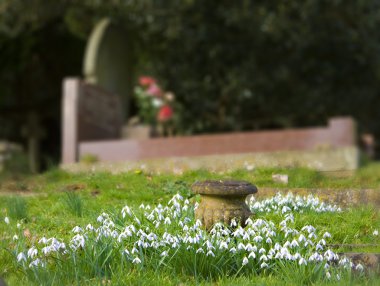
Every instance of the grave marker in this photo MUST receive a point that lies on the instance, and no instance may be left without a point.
(108, 61)
(89, 114)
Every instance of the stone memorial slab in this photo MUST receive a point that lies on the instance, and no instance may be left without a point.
(89, 114)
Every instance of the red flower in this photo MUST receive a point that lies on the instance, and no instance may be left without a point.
(165, 113)
(146, 80)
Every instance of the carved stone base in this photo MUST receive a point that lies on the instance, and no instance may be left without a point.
(213, 209)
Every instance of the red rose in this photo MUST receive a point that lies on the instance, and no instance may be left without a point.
(165, 113)
(146, 80)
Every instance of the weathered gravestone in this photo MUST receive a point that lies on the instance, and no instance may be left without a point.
(108, 61)
(89, 113)
(7, 150)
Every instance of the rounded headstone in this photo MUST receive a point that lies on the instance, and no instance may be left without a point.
(108, 61)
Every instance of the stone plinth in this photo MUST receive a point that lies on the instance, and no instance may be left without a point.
(222, 201)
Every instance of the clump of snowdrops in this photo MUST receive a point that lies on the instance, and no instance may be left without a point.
(168, 238)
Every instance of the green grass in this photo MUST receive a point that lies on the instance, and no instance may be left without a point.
(59, 201)
(74, 203)
(17, 208)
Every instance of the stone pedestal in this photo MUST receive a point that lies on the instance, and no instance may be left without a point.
(222, 201)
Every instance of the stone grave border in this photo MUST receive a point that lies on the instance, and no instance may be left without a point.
(92, 125)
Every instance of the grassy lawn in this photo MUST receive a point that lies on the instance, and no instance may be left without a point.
(52, 204)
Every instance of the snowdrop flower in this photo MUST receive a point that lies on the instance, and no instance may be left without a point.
(268, 240)
(249, 247)
(328, 275)
(136, 260)
(264, 265)
(359, 267)
(89, 227)
(43, 240)
(248, 221)
(46, 250)
(246, 236)
(294, 243)
(375, 232)
(302, 261)
(21, 257)
(32, 252)
(264, 257)
(15, 237)
(223, 245)
(200, 250)
(301, 238)
(322, 242)
(100, 218)
(233, 250)
(18, 225)
(326, 235)
(297, 256)
(6, 220)
(262, 250)
(77, 241)
(164, 254)
(252, 255)
(245, 261)
(126, 210)
(34, 263)
(210, 253)
(77, 229)
(312, 235)
(330, 255)
(167, 220)
(319, 247)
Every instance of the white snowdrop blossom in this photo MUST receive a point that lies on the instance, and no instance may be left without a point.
(359, 267)
(32, 252)
(21, 257)
(77, 229)
(136, 260)
(326, 235)
(375, 232)
(328, 275)
(6, 220)
(302, 261)
(245, 261)
(126, 210)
